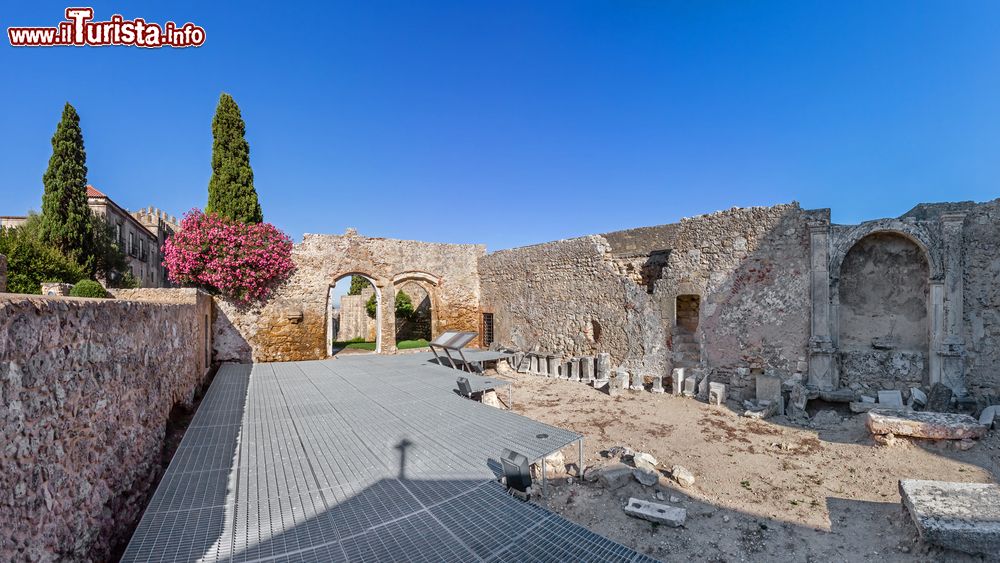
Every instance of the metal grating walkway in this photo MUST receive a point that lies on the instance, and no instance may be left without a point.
(362, 458)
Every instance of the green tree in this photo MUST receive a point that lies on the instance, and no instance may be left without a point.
(371, 306)
(358, 284)
(404, 306)
(31, 262)
(230, 191)
(107, 261)
(66, 219)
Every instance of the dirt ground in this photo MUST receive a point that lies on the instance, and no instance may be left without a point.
(764, 490)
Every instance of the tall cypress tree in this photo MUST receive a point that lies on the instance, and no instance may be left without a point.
(66, 219)
(230, 191)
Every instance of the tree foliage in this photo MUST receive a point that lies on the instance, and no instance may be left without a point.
(404, 306)
(66, 219)
(31, 262)
(358, 284)
(242, 261)
(371, 307)
(88, 288)
(230, 191)
(107, 261)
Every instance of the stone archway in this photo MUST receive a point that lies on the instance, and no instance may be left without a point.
(379, 329)
(429, 283)
(882, 303)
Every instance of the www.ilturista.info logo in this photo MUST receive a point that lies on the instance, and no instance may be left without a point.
(78, 30)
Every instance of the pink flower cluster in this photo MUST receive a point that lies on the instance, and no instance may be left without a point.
(243, 262)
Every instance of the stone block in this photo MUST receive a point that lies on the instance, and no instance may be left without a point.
(892, 399)
(704, 379)
(716, 393)
(690, 386)
(678, 375)
(939, 399)
(574, 369)
(532, 364)
(959, 516)
(617, 382)
(553, 363)
(989, 416)
(797, 399)
(541, 367)
(933, 425)
(682, 475)
(646, 476)
(602, 369)
(654, 512)
(587, 369)
(768, 388)
(615, 476)
(636, 382)
(657, 384)
(917, 397)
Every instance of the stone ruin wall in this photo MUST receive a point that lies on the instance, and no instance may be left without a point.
(568, 298)
(981, 293)
(87, 387)
(354, 321)
(750, 268)
(292, 324)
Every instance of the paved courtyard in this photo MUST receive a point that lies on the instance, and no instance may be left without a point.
(361, 458)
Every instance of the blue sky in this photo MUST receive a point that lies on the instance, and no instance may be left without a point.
(511, 123)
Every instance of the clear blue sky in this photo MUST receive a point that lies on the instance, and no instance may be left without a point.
(510, 123)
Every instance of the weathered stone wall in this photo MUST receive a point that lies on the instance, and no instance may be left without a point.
(568, 297)
(981, 270)
(87, 386)
(419, 325)
(292, 325)
(354, 319)
(750, 268)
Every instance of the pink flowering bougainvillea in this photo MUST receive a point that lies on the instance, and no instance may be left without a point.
(242, 261)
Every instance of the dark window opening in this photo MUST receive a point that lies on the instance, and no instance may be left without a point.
(487, 329)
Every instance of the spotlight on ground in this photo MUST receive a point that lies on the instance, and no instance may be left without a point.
(516, 470)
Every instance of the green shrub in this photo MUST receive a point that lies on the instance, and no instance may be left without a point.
(31, 262)
(88, 288)
(371, 307)
(404, 306)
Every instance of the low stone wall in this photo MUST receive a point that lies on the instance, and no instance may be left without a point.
(87, 387)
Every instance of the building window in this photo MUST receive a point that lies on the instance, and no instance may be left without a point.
(119, 239)
(487, 329)
(131, 243)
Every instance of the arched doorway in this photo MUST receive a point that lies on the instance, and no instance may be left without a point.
(883, 335)
(414, 314)
(354, 314)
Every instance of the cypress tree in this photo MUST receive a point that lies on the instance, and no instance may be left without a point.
(66, 220)
(230, 191)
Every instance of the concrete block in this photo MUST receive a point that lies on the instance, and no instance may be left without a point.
(892, 399)
(654, 512)
(960, 516)
(678, 376)
(716, 393)
(934, 425)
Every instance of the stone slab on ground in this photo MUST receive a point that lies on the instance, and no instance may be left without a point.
(939, 399)
(655, 512)
(989, 415)
(933, 425)
(615, 476)
(892, 399)
(960, 516)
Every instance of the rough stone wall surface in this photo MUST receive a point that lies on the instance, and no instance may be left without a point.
(559, 296)
(197, 300)
(354, 319)
(292, 325)
(87, 386)
(419, 325)
(981, 270)
(750, 267)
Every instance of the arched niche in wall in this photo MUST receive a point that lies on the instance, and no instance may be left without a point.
(429, 283)
(331, 329)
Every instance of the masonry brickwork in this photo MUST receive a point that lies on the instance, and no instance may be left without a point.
(87, 387)
(293, 324)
